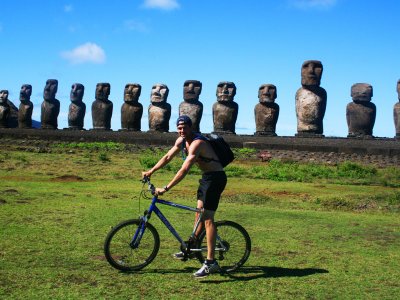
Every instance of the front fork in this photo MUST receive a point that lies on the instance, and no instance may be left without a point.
(137, 237)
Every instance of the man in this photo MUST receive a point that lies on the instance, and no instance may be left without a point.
(211, 186)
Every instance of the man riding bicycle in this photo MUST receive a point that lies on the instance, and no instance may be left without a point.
(212, 183)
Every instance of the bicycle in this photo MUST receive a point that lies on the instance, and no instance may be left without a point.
(133, 244)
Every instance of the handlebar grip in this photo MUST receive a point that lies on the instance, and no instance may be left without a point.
(145, 179)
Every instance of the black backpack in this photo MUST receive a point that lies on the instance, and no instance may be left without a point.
(219, 145)
(221, 148)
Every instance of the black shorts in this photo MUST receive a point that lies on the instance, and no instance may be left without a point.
(212, 184)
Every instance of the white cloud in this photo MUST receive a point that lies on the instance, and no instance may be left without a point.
(68, 8)
(161, 4)
(133, 25)
(86, 53)
(306, 4)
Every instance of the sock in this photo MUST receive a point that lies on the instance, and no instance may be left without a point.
(210, 261)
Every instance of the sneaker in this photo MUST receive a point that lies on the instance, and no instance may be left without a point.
(206, 270)
(181, 255)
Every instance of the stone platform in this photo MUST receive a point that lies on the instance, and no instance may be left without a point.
(377, 151)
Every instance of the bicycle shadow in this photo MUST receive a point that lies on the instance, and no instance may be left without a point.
(243, 274)
(256, 272)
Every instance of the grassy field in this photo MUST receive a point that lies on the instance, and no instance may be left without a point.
(318, 232)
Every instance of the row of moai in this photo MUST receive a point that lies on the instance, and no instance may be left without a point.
(311, 102)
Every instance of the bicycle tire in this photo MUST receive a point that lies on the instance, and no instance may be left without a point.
(120, 254)
(237, 241)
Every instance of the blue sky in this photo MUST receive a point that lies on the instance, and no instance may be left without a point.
(248, 42)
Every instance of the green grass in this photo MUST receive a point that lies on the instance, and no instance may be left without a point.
(318, 232)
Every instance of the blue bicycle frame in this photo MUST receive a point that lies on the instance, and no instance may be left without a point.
(153, 208)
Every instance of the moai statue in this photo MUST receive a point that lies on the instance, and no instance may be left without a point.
(102, 108)
(225, 110)
(12, 120)
(310, 100)
(266, 112)
(13, 117)
(159, 109)
(4, 109)
(25, 107)
(396, 112)
(77, 109)
(361, 113)
(131, 110)
(191, 106)
(50, 108)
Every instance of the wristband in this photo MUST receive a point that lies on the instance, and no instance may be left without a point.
(166, 188)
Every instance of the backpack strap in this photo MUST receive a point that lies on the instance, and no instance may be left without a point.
(183, 150)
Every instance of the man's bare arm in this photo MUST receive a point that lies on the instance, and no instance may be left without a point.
(193, 154)
(166, 158)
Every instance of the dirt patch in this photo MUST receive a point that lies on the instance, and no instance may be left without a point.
(10, 191)
(21, 201)
(68, 178)
(283, 193)
(99, 257)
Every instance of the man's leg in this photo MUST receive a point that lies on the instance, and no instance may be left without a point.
(210, 233)
(201, 224)
(208, 222)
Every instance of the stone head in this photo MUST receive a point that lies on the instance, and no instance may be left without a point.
(132, 92)
(25, 93)
(361, 92)
(103, 91)
(226, 91)
(267, 93)
(311, 73)
(50, 89)
(159, 93)
(77, 91)
(398, 88)
(192, 90)
(3, 96)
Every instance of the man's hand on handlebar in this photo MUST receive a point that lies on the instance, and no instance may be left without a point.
(155, 191)
(146, 174)
(159, 191)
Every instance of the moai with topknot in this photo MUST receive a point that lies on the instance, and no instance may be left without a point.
(361, 113)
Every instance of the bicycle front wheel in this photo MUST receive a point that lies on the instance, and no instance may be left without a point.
(232, 246)
(119, 252)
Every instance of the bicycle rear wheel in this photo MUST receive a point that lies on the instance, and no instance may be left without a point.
(119, 252)
(232, 247)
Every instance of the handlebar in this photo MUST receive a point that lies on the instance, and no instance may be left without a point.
(151, 187)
